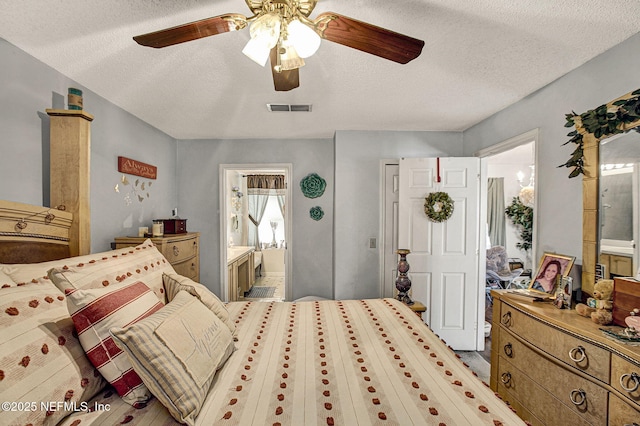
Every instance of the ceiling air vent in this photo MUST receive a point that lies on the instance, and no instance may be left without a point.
(289, 108)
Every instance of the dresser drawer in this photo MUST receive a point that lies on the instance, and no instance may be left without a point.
(535, 379)
(575, 352)
(621, 413)
(178, 250)
(189, 268)
(515, 385)
(625, 377)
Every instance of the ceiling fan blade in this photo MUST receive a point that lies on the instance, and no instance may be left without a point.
(193, 30)
(368, 38)
(283, 81)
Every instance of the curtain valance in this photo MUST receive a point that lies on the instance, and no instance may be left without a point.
(266, 182)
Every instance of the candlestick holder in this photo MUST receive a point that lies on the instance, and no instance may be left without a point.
(403, 283)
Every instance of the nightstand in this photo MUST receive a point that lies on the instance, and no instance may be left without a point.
(418, 308)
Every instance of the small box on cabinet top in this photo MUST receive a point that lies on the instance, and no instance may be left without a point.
(175, 226)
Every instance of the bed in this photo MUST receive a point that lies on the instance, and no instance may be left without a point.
(349, 362)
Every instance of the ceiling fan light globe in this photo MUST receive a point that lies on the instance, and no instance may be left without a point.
(305, 40)
(265, 32)
(257, 51)
(289, 58)
(267, 28)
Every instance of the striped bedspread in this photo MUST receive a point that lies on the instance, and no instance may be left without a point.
(352, 362)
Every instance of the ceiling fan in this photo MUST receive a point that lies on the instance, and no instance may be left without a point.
(282, 31)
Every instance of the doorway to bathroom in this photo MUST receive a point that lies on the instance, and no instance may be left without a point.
(256, 232)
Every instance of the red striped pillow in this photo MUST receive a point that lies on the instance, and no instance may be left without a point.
(94, 312)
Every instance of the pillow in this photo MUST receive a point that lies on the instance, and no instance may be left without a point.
(177, 351)
(22, 273)
(173, 283)
(41, 359)
(127, 265)
(94, 311)
(5, 280)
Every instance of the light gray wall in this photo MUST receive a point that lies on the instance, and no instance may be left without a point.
(357, 199)
(199, 185)
(27, 88)
(559, 216)
(323, 253)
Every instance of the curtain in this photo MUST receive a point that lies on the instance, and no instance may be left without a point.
(495, 211)
(257, 203)
(266, 181)
(259, 189)
(280, 195)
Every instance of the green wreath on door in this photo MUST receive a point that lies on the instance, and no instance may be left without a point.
(438, 206)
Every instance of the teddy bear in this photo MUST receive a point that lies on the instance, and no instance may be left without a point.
(599, 307)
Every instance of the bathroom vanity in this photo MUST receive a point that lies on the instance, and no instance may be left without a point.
(241, 273)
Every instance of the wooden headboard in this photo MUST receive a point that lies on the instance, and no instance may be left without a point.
(30, 234)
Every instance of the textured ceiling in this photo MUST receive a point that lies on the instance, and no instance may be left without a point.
(480, 56)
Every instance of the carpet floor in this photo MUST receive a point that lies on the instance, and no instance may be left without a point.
(476, 363)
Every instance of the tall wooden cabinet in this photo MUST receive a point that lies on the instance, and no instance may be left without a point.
(555, 367)
(181, 250)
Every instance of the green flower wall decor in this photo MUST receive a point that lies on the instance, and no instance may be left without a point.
(312, 185)
(316, 213)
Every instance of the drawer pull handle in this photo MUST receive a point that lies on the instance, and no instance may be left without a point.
(176, 250)
(578, 396)
(506, 319)
(579, 350)
(626, 378)
(508, 350)
(505, 378)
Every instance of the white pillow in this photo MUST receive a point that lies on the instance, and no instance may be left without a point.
(41, 359)
(177, 351)
(173, 283)
(94, 311)
(130, 264)
(5, 280)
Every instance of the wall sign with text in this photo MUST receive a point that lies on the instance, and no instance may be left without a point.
(137, 168)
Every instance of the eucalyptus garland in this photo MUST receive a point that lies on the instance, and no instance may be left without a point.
(438, 206)
(601, 122)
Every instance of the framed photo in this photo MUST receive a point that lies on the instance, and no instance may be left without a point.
(563, 293)
(601, 271)
(552, 266)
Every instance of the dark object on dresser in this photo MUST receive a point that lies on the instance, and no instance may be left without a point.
(626, 298)
(175, 226)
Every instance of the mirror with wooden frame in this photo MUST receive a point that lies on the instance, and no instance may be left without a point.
(591, 128)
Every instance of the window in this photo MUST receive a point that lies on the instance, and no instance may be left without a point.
(272, 214)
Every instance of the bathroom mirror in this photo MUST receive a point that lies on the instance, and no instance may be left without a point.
(590, 163)
(619, 204)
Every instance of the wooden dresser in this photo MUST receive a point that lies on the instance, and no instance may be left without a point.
(556, 368)
(181, 250)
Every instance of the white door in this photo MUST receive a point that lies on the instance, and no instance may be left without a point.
(444, 255)
(390, 256)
